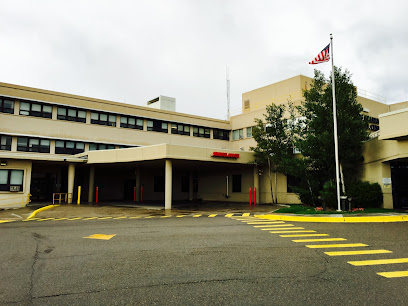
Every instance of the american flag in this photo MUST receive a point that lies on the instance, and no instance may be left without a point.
(323, 56)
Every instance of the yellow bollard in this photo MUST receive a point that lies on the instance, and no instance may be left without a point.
(79, 195)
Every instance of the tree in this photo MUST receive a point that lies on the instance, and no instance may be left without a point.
(316, 138)
(275, 137)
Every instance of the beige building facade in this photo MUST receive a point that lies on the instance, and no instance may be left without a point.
(54, 142)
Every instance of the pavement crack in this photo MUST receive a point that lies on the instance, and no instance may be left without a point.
(37, 238)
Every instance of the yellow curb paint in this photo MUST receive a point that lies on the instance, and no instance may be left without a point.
(212, 216)
(196, 216)
(90, 218)
(72, 219)
(368, 252)
(305, 235)
(138, 217)
(274, 225)
(6, 221)
(35, 212)
(401, 218)
(284, 232)
(246, 214)
(59, 219)
(160, 217)
(181, 216)
(117, 218)
(150, 217)
(378, 262)
(282, 229)
(103, 218)
(229, 215)
(344, 245)
(394, 274)
(46, 219)
(318, 240)
(266, 222)
(100, 236)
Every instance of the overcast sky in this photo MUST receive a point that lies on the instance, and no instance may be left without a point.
(134, 51)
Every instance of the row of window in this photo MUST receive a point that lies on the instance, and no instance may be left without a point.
(77, 115)
(239, 134)
(11, 180)
(41, 145)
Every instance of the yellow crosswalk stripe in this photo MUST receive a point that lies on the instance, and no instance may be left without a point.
(305, 235)
(378, 262)
(274, 225)
(340, 245)
(246, 214)
(229, 215)
(284, 232)
(212, 216)
(196, 216)
(265, 222)
(281, 228)
(394, 274)
(317, 240)
(366, 252)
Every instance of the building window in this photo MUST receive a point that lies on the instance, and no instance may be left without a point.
(157, 126)
(103, 119)
(71, 114)
(69, 147)
(35, 109)
(29, 144)
(249, 132)
(237, 134)
(11, 180)
(236, 183)
(100, 146)
(5, 142)
(221, 134)
(6, 106)
(131, 123)
(181, 129)
(158, 184)
(199, 131)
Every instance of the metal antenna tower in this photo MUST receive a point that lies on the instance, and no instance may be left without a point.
(228, 95)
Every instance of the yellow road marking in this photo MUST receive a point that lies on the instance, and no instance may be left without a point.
(394, 274)
(77, 218)
(266, 222)
(163, 216)
(212, 216)
(283, 232)
(123, 217)
(281, 228)
(196, 216)
(229, 215)
(103, 218)
(149, 217)
(357, 252)
(5, 221)
(89, 218)
(138, 217)
(181, 216)
(45, 219)
(274, 225)
(100, 236)
(59, 219)
(321, 239)
(378, 262)
(340, 245)
(246, 215)
(305, 235)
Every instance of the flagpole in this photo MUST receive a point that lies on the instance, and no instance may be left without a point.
(336, 144)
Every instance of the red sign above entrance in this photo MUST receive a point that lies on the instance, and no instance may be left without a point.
(223, 154)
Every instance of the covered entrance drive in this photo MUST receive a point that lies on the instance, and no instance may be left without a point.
(166, 172)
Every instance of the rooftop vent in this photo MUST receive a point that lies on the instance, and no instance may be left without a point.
(163, 102)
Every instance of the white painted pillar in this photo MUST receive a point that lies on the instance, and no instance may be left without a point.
(190, 186)
(137, 184)
(71, 180)
(168, 184)
(91, 184)
(256, 185)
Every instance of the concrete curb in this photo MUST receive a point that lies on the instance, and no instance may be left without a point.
(369, 219)
(35, 212)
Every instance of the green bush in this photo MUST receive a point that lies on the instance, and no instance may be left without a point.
(329, 194)
(365, 194)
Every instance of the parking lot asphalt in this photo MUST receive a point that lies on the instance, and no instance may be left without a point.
(238, 260)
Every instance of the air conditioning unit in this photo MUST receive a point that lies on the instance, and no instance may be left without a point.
(14, 188)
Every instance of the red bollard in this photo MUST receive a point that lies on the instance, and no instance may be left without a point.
(250, 199)
(254, 196)
(141, 194)
(97, 195)
(134, 194)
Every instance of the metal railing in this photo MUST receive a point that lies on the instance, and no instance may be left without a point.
(66, 197)
(16, 201)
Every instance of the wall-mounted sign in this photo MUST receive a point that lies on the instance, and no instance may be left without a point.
(224, 154)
